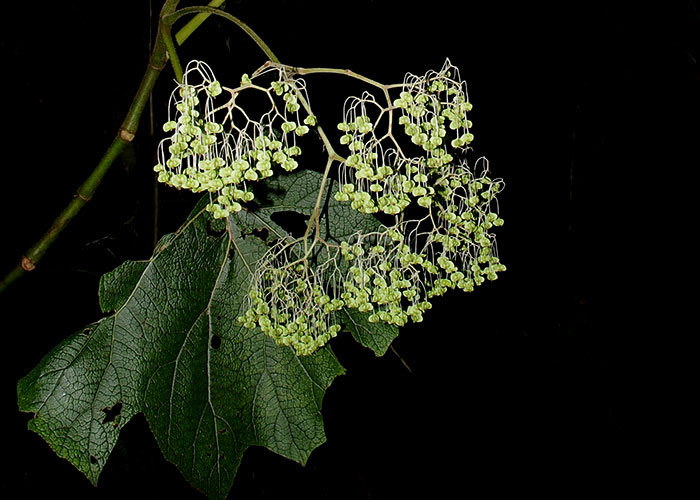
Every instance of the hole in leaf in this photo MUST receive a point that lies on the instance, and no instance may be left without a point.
(216, 227)
(93, 460)
(112, 413)
(215, 341)
(292, 222)
(87, 332)
(261, 232)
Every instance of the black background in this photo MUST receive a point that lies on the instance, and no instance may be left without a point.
(553, 379)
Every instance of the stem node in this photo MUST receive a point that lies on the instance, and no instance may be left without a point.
(126, 135)
(27, 264)
(84, 198)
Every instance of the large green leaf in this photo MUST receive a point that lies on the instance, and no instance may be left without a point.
(172, 348)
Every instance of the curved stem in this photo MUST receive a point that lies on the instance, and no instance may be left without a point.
(171, 18)
(194, 23)
(181, 36)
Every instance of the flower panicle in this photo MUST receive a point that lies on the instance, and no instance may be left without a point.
(406, 163)
(218, 147)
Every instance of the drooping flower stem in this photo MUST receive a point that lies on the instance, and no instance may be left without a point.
(194, 23)
(174, 16)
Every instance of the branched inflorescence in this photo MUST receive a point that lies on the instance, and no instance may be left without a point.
(294, 295)
(444, 244)
(218, 147)
(406, 163)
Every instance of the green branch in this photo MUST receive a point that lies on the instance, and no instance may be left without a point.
(194, 23)
(126, 133)
(171, 18)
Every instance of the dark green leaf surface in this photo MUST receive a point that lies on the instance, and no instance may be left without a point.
(173, 349)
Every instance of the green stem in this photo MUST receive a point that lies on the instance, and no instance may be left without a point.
(181, 36)
(194, 23)
(170, 47)
(127, 131)
(171, 18)
(82, 196)
(164, 48)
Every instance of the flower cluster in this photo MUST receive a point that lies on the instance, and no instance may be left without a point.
(221, 148)
(379, 175)
(392, 273)
(452, 242)
(450, 247)
(405, 163)
(292, 297)
(431, 105)
(372, 178)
